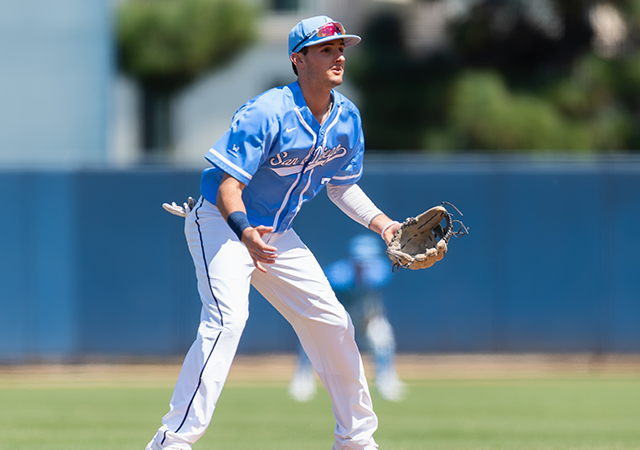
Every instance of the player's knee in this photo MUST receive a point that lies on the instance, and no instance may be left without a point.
(231, 324)
(235, 324)
(341, 323)
(330, 317)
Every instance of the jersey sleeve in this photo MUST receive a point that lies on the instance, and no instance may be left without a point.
(351, 172)
(242, 148)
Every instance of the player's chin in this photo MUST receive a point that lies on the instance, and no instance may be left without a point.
(336, 76)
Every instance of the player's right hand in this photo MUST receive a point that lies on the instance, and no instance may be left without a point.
(260, 251)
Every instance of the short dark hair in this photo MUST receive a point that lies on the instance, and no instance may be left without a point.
(304, 51)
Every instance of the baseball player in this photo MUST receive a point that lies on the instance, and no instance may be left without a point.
(282, 148)
(358, 281)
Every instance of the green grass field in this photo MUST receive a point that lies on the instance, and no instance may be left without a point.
(563, 414)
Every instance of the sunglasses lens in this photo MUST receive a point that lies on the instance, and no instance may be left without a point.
(330, 29)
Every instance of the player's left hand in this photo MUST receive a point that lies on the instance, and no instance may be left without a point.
(180, 211)
(390, 232)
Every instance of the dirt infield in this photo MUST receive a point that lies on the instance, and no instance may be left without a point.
(278, 368)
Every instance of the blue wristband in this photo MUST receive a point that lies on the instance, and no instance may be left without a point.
(238, 221)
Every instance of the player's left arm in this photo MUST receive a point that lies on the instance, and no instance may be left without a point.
(385, 227)
(352, 200)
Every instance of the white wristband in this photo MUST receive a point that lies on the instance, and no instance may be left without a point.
(386, 227)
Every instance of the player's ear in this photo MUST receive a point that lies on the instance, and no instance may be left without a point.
(296, 60)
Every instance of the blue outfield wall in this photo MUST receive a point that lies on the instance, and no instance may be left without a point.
(91, 265)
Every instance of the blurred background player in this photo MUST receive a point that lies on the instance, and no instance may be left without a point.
(359, 281)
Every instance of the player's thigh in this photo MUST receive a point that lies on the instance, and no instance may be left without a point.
(223, 264)
(296, 284)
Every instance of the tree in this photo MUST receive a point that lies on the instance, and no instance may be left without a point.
(515, 75)
(165, 44)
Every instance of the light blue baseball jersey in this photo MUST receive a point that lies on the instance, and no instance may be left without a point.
(282, 154)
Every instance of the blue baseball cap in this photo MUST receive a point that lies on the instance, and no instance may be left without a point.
(316, 30)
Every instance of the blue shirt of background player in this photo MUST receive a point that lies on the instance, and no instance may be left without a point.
(283, 156)
(362, 276)
(343, 276)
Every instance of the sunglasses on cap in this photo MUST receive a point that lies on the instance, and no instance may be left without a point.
(328, 29)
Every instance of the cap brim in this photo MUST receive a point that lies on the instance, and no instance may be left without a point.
(349, 40)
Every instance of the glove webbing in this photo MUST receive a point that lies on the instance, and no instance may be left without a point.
(450, 221)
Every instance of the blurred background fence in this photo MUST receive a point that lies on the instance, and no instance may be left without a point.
(93, 266)
(524, 114)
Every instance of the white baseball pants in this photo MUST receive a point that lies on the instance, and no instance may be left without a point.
(297, 287)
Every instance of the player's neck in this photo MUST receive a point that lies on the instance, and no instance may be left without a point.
(319, 102)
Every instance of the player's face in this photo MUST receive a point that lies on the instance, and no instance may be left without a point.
(324, 63)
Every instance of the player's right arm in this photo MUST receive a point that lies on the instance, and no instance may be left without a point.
(229, 201)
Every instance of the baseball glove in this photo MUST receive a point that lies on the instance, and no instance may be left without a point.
(422, 241)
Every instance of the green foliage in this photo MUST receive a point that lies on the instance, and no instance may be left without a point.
(502, 83)
(175, 40)
(493, 118)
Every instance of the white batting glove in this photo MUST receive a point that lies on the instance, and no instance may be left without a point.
(180, 211)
